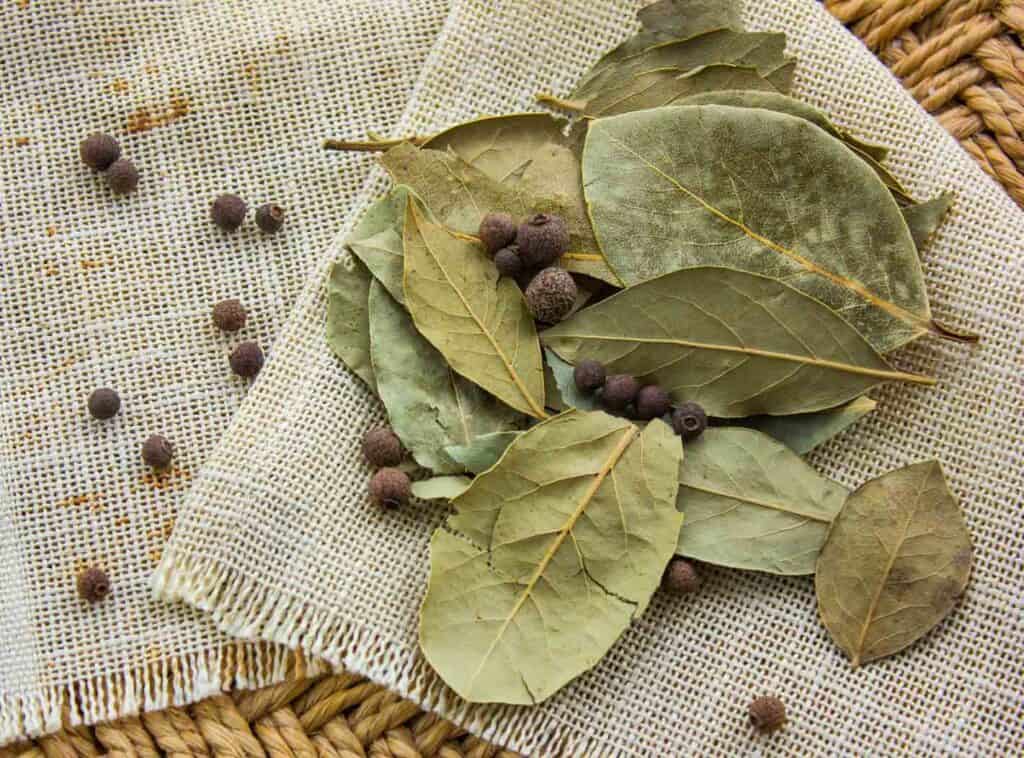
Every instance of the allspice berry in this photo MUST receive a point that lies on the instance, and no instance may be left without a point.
(246, 359)
(619, 391)
(551, 295)
(689, 420)
(508, 262)
(104, 403)
(228, 212)
(381, 447)
(497, 230)
(589, 375)
(99, 150)
(269, 218)
(229, 315)
(122, 177)
(542, 239)
(680, 577)
(93, 584)
(390, 487)
(157, 451)
(767, 713)
(652, 402)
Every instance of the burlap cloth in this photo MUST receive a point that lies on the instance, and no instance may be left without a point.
(275, 538)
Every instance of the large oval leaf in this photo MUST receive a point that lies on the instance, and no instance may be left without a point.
(897, 558)
(559, 546)
(348, 322)
(752, 503)
(802, 432)
(477, 321)
(737, 343)
(429, 406)
(761, 191)
(377, 240)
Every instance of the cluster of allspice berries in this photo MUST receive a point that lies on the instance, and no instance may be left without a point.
(390, 487)
(102, 153)
(528, 252)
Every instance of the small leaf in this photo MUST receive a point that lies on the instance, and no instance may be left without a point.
(481, 452)
(739, 344)
(803, 432)
(348, 325)
(377, 240)
(566, 391)
(897, 558)
(477, 321)
(752, 503)
(441, 487)
(559, 547)
(429, 406)
(924, 218)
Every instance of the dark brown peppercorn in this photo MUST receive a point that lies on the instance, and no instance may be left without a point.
(508, 262)
(551, 295)
(680, 577)
(390, 487)
(269, 218)
(99, 150)
(767, 713)
(93, 584)
(246, 359)
(229, 315)
(157, 451)
(589, 375)
(497, 230)
(689, 420)
(382, 447)
(104, 403)
(228, 212)
(122, 177)
(542, 239)
(652, 402)
(619, 391)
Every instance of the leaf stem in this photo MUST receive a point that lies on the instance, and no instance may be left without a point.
(373, 145)
(573, 106)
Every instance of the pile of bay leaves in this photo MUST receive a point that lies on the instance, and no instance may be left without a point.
(729, 244)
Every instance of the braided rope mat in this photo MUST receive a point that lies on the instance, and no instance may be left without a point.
(961, 59)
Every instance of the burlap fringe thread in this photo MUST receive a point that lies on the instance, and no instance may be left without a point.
(962, 61)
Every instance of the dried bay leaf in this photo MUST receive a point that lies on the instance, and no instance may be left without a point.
(476, 320)
(348, 323)
(482, 452)
(377, 240)
(896, 559)
(565, 388)
(752, 503)
(803, 432)
(924, 218)
(558, 547)
(740, 344)
(761, 191)
(441, 487)
(429, 406)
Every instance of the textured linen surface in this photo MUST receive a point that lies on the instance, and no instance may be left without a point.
(276, 539)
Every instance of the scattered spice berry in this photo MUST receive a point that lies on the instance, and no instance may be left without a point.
(228, 212)
(767, 713)
(390, 487)
(157, 451)
(122, 177)
(508, 262)
(99, 150)
(497, 230)
(542, 239)
(689, 420)
(619, 391)
(93, 584)
(680, 577)
(652, 402)
(229, 315)
(382, 447)
(246, 359)
(589, 375)
(104, 403)
(269, 218)
(550, 295)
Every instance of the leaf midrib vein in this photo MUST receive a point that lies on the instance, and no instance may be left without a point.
(753, 501)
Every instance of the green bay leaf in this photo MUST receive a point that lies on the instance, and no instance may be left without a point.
(558, 547)
(896, 559)
(429, 406)
(377, 240)
(752, 503)
(348, 324)
(924, 218)
(476, 320)
(761, 191)
(803, 432)
(441, 487)
(481, 452)
(740, 344)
